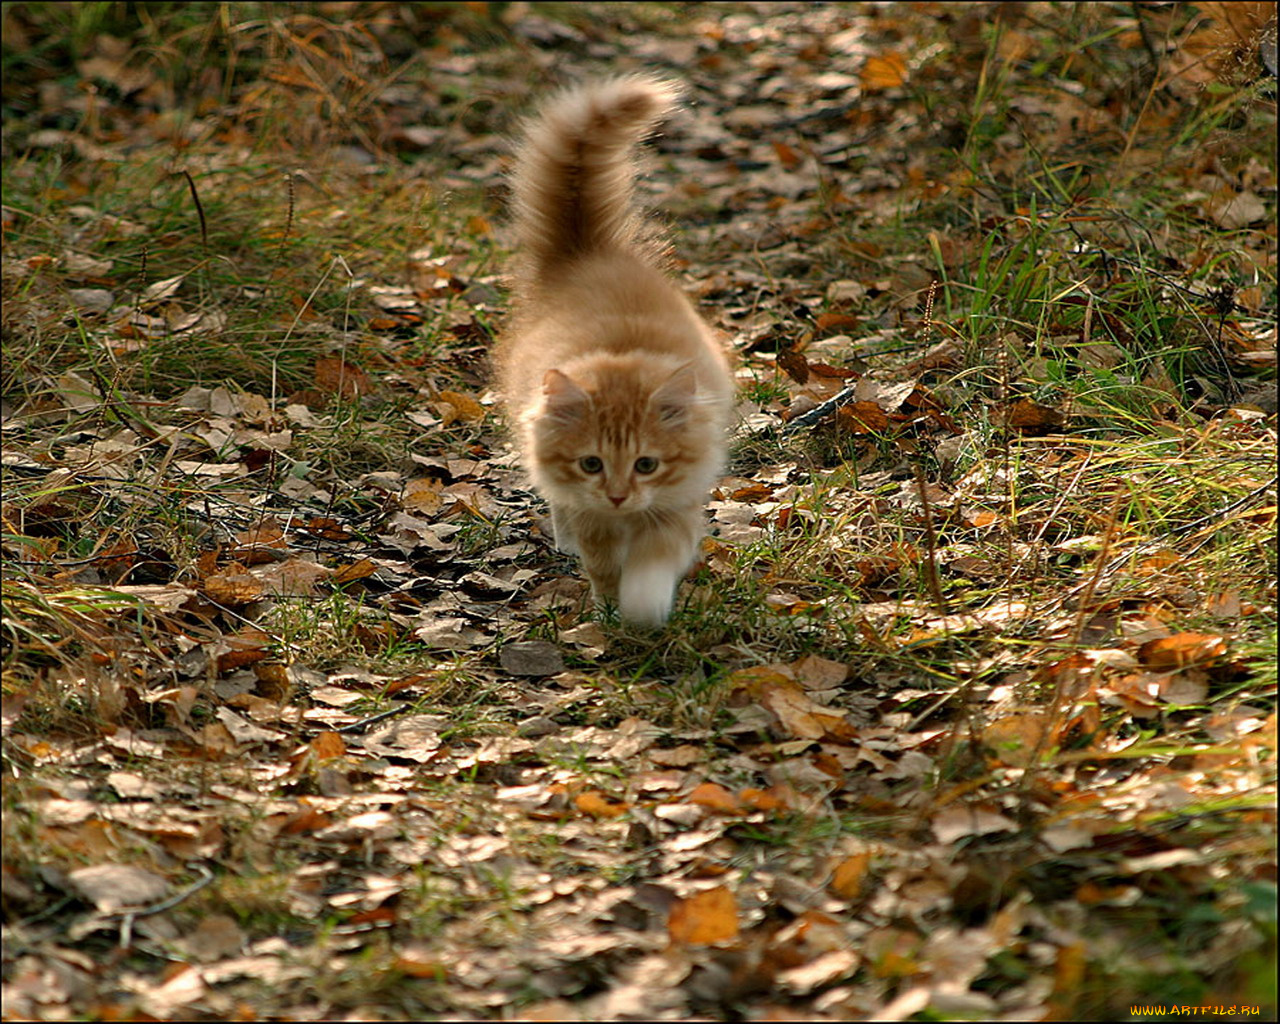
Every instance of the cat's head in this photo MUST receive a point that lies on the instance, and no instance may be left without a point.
(623, 439)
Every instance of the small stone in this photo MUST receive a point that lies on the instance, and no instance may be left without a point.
(531, 658)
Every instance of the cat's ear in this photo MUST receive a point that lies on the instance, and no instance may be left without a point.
(565, 400)
(676, 394)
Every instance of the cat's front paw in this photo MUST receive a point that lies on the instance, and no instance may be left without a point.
(645, 596)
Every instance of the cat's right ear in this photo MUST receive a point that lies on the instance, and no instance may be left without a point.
(565, 400)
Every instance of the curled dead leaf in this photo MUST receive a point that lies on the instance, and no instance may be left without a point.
(233, 587)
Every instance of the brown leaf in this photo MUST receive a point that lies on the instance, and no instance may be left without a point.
(337, 376)
(836, 321)
(418, 961)
(355, 571)
(787, 156)
(753, 492)
(862, 418)
(801, 717)
(259, 543)
(678, 757)
(328, 744)
(817, 673)
(422, 495)
(113, 886)
(794, 364)
(327, 528)
(1016, 738)
(247, 646)
(704, 919)
(233, 587)
(957, 822)
(531, 658)
(829, 372)
(1032, 418)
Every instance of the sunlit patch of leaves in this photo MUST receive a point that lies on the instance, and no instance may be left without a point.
(968, 709)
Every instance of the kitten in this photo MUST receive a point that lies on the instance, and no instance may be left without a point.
(620, 394)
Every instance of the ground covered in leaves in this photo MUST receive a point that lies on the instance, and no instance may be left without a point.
(969, 710)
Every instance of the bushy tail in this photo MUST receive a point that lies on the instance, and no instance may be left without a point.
(572, 181)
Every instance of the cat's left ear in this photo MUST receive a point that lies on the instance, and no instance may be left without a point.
(676, 394)
(565, 400)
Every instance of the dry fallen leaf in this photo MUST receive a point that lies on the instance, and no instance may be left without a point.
(234, 587)
(704, 919)
(337, 376)
(1182, 650)
(600, 805)
(884, 71)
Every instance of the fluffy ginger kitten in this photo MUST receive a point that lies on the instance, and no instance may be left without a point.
(619, 392)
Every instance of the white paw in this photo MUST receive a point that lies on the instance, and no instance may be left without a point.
(645, 595)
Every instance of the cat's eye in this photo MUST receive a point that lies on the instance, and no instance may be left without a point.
(591, 464)
(646, 464)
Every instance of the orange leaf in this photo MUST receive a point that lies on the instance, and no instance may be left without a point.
(328, 744)
(234, 586)
(704, 919)
(355, 571)
(847, 878)
(598, 805)
(772, 799)
(787, 156)
(1181, 650)
(887, 71)
(803, 718)
(715, 798)
(465, 407)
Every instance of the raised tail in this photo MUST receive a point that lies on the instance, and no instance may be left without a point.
(573, 175)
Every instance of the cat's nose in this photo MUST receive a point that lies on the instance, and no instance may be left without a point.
(617, 500)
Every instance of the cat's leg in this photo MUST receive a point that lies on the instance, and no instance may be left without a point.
(603, 572)
(563, 533)
(656, 562)
(601, 547)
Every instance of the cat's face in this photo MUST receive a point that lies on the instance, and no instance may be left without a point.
(622, 448)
